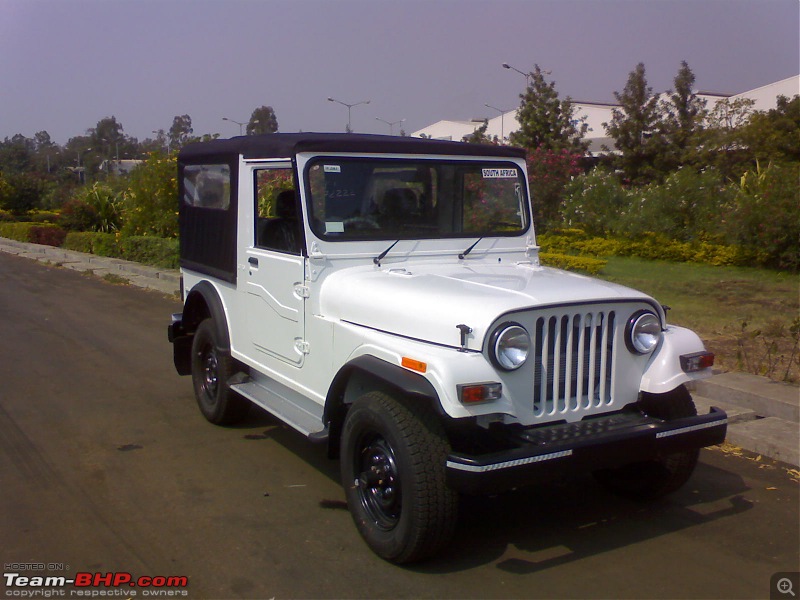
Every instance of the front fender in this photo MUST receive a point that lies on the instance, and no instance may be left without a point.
(664, 372)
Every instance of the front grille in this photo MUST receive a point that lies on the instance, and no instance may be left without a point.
(573, 355)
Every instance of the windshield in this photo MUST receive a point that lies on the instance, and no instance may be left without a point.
(373, 198)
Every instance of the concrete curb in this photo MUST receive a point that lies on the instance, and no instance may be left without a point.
(763, 414)
(167, 281)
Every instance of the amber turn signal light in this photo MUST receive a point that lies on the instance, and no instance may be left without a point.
(479, 392)
(414, 365)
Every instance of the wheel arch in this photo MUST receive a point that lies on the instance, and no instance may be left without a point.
(202, 302)
(368, 373)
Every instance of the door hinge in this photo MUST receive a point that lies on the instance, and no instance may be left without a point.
(301, 291)
(302, 346)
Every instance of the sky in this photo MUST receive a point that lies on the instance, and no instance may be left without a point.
(67, 64)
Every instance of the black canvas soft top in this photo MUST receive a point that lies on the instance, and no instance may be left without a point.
(286, 145)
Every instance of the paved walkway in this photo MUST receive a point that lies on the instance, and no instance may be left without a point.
(764, 415)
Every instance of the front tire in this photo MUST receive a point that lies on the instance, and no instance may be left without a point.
(212, 367)
(652, 479)
(393, 472)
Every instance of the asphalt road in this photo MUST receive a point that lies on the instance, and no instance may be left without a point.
(107, 466)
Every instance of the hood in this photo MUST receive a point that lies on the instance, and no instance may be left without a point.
(427, 302)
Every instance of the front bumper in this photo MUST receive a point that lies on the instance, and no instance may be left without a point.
(589, 445)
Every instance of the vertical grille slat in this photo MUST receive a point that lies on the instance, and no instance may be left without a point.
(573, 368)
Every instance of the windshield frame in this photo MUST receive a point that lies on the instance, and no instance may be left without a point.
(478, 162)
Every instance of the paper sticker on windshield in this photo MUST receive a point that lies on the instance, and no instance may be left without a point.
(499, 173)
(334, 227)
(333, 169)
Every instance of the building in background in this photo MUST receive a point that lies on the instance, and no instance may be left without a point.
(596, 114)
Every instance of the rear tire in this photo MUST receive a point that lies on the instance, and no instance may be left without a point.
(393, 472)
(653, 479)
(212, 367)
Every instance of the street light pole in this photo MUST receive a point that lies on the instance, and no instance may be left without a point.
(349, 108)
(391, 124)
(526, 75)
(239, 123)
(502, 120)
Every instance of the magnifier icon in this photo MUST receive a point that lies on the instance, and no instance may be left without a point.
(784, 586)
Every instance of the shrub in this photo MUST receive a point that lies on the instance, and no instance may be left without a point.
(101, 244)
(43, 216)
(105, 207)
(16, 231)
(159, 252)
(548, 173)
(47, 235)
(80, 241)
(106, 244)
(78, 215)
(649, 245)
(766, 218)
(20, 193)
(150, 204)
(584, 264)
(688, 206)
(34, 233)
(596, 202)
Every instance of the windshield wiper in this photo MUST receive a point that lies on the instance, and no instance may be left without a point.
(377, 260)
(468, 250)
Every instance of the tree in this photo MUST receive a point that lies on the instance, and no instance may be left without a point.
(25, 193)
(549, 171)
(479, 135)
(107, 137)
(263, 120)
(16, 154)
(635, 127)
(683, 121)
(149, 204)
(180, 133)
(722, 145)
(547, 122)
(774, 135)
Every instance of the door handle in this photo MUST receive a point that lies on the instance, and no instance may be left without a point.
(253, 261)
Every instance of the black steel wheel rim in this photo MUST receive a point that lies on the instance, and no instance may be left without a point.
(210, 371)
(378, 482)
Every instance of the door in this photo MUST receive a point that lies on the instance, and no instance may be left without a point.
(275, 268)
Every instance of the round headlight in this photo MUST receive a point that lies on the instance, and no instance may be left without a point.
(510, 346)
(644, 331)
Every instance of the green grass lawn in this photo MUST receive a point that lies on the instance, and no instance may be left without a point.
(744, 315)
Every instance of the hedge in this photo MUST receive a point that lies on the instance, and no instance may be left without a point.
(31, 232)
(649, 246)
(155, 251)
(148, 250)
(101, 244)
(47, 235)
(584, 264)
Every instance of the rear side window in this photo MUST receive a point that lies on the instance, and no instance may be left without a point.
(207, 186)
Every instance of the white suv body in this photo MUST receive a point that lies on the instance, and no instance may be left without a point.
(380, 294)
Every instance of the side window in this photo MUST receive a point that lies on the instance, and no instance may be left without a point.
(277, 224)
(207, 186)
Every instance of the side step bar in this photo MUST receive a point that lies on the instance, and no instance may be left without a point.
(292, 408)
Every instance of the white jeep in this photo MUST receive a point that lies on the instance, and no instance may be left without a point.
(383, 295)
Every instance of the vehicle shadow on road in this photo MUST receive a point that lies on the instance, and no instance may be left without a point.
(544, 526)
(261, 425)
